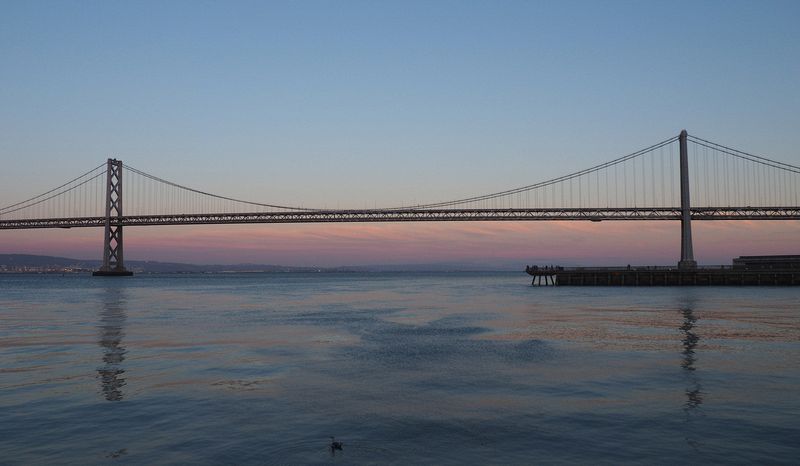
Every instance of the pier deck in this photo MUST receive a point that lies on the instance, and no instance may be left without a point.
(611, 276)
(783, 270)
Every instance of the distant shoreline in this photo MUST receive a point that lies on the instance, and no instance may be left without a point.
(34, 264)
(270, 272)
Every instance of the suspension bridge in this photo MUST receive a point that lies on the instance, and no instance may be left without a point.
(653, 183)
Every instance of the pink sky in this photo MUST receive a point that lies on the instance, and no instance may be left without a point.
(493, 243)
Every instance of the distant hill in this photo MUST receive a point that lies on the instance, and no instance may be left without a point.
(18, 262)
(29, 260)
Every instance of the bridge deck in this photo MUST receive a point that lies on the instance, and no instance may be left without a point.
(411, 215)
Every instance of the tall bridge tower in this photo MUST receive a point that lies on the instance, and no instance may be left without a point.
(113, 264)
(687, 255)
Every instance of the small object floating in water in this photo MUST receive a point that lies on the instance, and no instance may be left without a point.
(117, 454)
(335, 445)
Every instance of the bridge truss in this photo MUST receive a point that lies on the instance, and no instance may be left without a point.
(429, 215)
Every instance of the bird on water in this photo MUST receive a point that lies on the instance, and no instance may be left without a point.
(335, 445)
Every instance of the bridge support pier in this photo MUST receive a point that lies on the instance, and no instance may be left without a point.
(113, 264)
(687, 255)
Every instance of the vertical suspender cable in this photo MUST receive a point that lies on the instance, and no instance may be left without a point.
(633, 175)
(625, 182)
(671, 177)
(663, 194)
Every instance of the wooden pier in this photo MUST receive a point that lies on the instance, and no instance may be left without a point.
(745, 271)
(675, 277)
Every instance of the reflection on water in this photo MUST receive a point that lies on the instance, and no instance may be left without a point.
(689, 339)
(111, 325)
(694, 393)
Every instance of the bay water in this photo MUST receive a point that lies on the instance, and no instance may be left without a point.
(402, 368)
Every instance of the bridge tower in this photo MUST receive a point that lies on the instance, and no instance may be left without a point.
(113, 264)
(687, 261)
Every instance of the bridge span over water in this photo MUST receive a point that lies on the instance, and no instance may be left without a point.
(653, 183)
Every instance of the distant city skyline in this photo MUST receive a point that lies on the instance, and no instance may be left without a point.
(364, 104)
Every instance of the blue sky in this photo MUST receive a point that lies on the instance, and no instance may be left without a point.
(374, 103)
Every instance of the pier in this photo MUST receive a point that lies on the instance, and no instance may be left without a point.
(745, 271)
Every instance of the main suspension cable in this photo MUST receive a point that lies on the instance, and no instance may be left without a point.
(197, 191)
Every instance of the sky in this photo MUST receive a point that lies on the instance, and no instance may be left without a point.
(363, 104)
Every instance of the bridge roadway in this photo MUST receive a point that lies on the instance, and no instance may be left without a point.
(418, 215)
